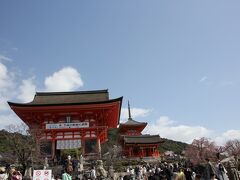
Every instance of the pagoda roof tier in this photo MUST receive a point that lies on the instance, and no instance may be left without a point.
(143, 139)
(131, 122)
(132, 125)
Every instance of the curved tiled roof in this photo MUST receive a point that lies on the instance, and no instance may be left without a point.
(62, 98)
(133, 122)
(143, 139)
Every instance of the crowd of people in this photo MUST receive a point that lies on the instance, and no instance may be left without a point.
(154, 171)
(10, 173)
(146, 171)
(176, 171)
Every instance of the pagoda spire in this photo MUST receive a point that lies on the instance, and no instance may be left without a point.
(129, 112)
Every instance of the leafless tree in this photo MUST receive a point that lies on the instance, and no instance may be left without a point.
(22, 145)
(233, 147)
(200, 149)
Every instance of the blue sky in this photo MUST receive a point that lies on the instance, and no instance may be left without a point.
(176, 61)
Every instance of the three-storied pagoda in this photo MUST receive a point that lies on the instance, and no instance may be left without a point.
(67, 120)
(135, 144)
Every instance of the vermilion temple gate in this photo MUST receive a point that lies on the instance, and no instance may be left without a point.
(71, 119)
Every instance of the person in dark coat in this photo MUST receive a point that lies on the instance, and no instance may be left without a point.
(188, 174)
(126, 177)
(208, 170)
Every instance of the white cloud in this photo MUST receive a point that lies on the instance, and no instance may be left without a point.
(222, 83)
(66, 79)
(27, 90)
(164, 121)
(135, 112)
(3, 104)
(6, 87)
(6, 79)
(4, 58)
(166, 128)
(8, 118)
(9, 90)
(228, 135)
(204, 78)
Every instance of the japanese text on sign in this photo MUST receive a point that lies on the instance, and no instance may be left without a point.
(67, 125)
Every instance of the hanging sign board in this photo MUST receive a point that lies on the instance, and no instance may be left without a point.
(67, 125)
(42, 174)
(68, 144)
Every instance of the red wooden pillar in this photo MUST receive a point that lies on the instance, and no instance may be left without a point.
(149, 151)
(53, 135)
(142, 152)
(130, 151)
(53, 148)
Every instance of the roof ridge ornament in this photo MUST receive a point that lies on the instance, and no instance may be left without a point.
(129, 112)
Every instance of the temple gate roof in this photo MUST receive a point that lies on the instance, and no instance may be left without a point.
(62, 98)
